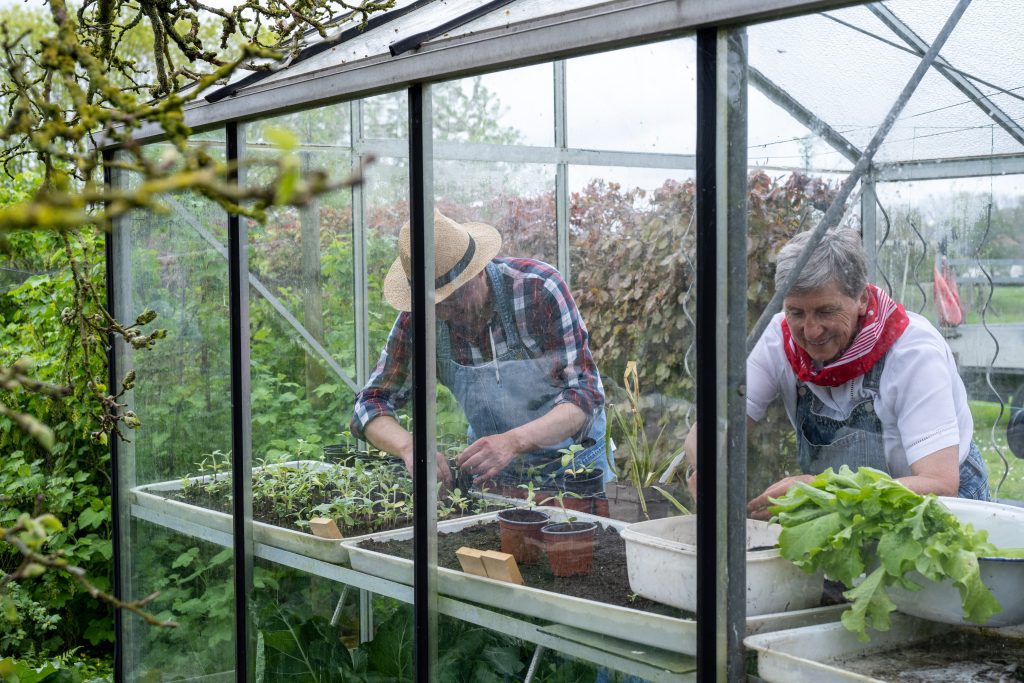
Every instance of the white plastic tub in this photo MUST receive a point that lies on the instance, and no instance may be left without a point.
(661, 558)
(1004, 577)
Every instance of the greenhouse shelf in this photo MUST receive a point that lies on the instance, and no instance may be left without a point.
(653, 630)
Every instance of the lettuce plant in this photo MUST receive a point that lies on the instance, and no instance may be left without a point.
(868, 531)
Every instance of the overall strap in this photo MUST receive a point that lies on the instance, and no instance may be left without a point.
(873, 379)
(506, 309)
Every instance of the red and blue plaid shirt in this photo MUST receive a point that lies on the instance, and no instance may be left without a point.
(548, 322)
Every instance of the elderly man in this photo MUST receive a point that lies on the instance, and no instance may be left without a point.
(864, 382)
(511, 347)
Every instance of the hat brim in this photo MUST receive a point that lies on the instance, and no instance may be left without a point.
(488, 242)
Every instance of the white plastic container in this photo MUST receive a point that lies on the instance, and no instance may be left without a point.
(816, 654)
(1004, 577)
(661, 558)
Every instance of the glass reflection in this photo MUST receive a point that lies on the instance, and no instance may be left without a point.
(947, 249)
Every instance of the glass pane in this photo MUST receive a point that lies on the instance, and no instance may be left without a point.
(651, 113)
(924, 364)
(966, 228)
(477, 109)
(173, 264)
(631, 243)
(517, 199)
(302, 315)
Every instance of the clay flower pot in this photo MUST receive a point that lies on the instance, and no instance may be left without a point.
(570, 547)
(520, 533)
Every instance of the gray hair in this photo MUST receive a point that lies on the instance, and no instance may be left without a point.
(839, 257)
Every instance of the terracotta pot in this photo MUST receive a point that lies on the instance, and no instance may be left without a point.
(521, 533)
(592, 505)
(570, 547)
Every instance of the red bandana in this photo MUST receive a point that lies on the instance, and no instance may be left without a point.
(881, 325)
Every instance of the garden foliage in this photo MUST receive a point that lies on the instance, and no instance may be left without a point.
(70, 480)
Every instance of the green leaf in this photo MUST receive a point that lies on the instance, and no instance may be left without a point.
(185, 559)
(870, 606)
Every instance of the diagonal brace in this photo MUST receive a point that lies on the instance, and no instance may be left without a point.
(957, 78)
(254, 281)
(779, 96)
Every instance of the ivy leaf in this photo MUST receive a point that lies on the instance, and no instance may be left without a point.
(185, 559)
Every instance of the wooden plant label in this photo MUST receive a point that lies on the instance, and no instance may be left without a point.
(501, 566)
(471, 561)
(325, 527)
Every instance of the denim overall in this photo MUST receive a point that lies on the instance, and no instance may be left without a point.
(510, 391)
(857, 441)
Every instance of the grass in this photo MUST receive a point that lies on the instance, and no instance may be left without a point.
(1007, 305)
(991, 444)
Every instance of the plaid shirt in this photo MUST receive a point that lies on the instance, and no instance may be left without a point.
(548, 322)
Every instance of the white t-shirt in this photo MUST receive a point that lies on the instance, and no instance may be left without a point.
(921, 401)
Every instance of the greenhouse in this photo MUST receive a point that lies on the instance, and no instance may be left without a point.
(632, 168)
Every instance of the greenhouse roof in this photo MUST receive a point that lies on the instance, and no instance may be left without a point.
(837, 71)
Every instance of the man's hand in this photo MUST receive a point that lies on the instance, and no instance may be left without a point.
(758, 507)
(444, 473)
(487, 456)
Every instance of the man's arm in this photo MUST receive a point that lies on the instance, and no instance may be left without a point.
(387, 389)
(388, 435)
(488, 455)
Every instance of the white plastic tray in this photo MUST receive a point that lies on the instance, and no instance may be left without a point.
(152, 496)
(653, 630)
(809, 654)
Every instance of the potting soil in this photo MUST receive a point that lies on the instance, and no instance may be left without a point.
(607, 582)
(965, 657)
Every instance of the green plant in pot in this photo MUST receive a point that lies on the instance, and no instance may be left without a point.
(641, 489)
(569, 544)
(582, 482)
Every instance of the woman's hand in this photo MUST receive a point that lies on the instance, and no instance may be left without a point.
(758, 507)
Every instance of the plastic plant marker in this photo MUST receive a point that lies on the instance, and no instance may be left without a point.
(471, 560)
(325, 527)
(501, 566)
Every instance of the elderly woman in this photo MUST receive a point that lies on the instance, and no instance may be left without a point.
(864, 382)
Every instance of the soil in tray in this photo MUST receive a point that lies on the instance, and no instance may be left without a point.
(265, 511)
(963, 657)
(607, 581)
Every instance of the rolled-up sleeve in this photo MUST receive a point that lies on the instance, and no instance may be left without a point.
(387, 390)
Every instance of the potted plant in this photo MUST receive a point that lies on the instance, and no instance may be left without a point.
(640, 491)
(569, 544)
(582, 482)
(520, 530)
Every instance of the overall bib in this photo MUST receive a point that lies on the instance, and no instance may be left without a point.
(510, 391)
(857, 441)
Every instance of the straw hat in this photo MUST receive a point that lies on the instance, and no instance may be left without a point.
(461, 250)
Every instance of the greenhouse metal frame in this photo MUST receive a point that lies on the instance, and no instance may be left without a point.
(440, 41)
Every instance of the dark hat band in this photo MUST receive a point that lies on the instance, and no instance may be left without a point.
(456, 270)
